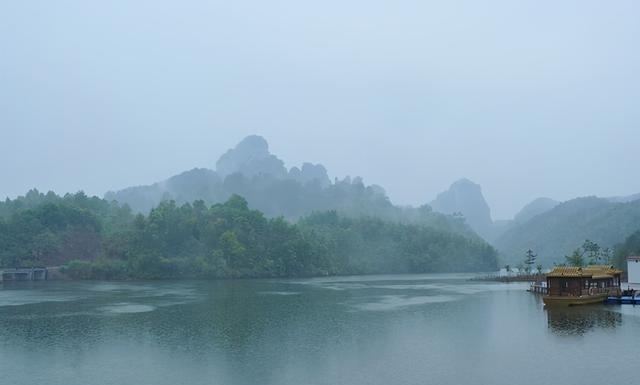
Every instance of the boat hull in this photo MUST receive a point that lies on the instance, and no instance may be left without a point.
(552, 300)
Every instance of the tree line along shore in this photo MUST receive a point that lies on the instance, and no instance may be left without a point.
(92, 238)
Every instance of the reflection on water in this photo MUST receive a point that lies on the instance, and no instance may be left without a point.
(393, 302)
(579, 320)
(341, 330)
(121, 308)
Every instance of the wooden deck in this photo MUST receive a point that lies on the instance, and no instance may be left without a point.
(539, 288)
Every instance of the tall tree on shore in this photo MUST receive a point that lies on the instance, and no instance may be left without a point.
(592, 250)
(576, 258)
(607, 255)
(529, 260)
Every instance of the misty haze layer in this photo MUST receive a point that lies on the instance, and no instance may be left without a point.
(528, 99)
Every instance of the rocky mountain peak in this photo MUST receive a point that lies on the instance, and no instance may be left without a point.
(465, 197)
(250, 157)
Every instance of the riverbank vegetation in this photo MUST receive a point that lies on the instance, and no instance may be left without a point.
(96, 239)
(630, 246)
(590, 253)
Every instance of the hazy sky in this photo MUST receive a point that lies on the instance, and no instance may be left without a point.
(526, 98)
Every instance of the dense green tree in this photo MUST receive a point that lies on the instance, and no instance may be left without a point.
(592, 251)
(589, 253)
(576, 258)
(630, 246)
(50, 234)
(94, 238)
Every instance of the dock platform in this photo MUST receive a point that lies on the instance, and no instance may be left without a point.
(24, 274)
(539, 288)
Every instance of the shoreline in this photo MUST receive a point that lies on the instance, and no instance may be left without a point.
(55, 274)
(512, 278)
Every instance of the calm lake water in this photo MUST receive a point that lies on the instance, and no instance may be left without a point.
(409, 329)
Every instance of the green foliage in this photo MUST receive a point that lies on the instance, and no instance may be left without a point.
(576, 258)
(370, 245)
(557, 232)
(51, 233)
(589, 253)
(289, 198)
(630, 246)
(96, 239)
(529, 260)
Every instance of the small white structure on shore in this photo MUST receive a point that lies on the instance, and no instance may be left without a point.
(633, 270)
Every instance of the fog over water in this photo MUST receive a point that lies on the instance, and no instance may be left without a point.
(527, 99)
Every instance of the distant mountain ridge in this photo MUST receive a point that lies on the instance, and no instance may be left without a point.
(552, 229)
(465, 198)
(184, 187)
(250, 158)
(251, 171)
(536, 207)
(624, 199)
(556, 232)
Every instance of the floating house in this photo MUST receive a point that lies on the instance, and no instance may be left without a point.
(570, 285)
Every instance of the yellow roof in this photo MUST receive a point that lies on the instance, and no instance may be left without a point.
(602, 271)
(566, 271)
(602, 267)
(591, 271)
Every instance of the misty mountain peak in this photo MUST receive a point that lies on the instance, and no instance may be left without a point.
(250, 157)
(310, 172)
(464, 183)
(465, 196)
(462, 190)
(254, 144)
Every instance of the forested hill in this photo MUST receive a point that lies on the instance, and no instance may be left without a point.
(94, 238)
(555, 233)
(251, 171)
(630, 246)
